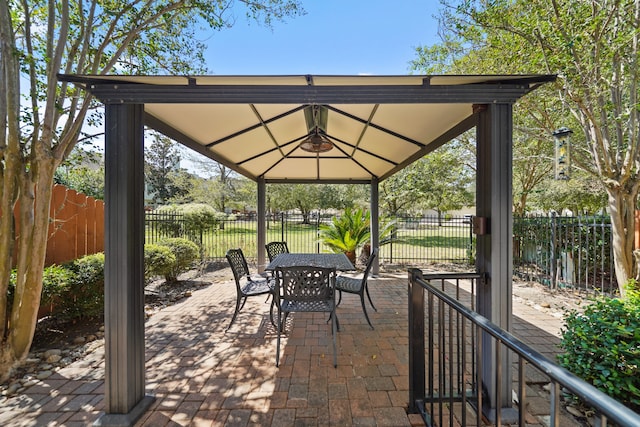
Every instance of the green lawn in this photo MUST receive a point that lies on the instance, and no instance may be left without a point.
(449, 242)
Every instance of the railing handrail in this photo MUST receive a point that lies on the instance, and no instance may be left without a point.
(608, 406)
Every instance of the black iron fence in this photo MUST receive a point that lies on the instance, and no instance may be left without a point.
(556, 251)
(414, 240)
(565, 252)
(446, 383)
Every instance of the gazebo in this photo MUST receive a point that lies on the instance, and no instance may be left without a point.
(296, 129)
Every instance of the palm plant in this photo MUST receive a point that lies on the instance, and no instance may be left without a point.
(347, 232)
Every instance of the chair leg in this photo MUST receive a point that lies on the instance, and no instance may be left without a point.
(278, 327)
(273, 305)
(364, 309)
(237, 310)
(369, 296)
(337, 321)
(334, 333)
(339, 297)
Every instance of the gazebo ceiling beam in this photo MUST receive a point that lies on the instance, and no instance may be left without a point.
(125, 93)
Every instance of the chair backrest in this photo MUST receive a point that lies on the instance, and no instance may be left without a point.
(276, 248)
(372, 257)
(238, 264)
(307, 283)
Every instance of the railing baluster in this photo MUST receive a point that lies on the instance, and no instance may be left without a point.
(555, 405)
(431, 354)
(452, 359)
(480, 364)
(498, 396)
(522, 391)
(464, 370)
(441, 362)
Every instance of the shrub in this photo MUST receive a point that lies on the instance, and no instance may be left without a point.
(196, 217)
(86, 290)
(55, 287)
(602, 346)
(158, 261)
(186, 253)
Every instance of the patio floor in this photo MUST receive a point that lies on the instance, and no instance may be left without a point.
(201, 375)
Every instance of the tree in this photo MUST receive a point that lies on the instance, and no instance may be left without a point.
(306, 197)
(219, 185)
(161, 160)
(83, 171)
(593, 48)
(396, 197)
(439, 181)
(443, 180)
(38, 41)
(581, 194)
(303, 197)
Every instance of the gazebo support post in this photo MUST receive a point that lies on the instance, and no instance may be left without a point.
(262, 223)
(125, 399)
(494, 227)
(375, 223)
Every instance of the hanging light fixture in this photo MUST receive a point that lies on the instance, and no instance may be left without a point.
(317, 141)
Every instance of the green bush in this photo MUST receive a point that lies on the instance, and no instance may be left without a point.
(602, 346)
(158, 261)
(86, 290)
(186, 253)
(55, 287)
(196, 218)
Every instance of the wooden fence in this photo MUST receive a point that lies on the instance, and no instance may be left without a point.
(76, 226)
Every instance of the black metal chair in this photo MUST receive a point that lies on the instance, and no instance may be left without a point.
(353, 285)
(252, 286)
(273, 250)
(276, 248)
(306, 289)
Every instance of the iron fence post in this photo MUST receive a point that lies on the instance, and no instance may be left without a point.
(554, 260)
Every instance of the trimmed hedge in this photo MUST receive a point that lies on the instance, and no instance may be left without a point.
(158, 261)
(186, 253)
(602, 346)
(86, 287)
(76, 289)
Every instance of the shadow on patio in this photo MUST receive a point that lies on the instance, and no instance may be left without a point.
(202, 375)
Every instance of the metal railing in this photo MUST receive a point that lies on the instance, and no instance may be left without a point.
(446, 361)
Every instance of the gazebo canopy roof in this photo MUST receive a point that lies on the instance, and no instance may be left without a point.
(255, 124)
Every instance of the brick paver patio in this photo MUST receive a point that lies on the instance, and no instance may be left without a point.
(201, 375)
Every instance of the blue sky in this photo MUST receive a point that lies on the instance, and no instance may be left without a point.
(334, 37)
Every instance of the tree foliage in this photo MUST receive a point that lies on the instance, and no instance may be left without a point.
(161, 165)
(593, 48)
(40, 40)
(440, 181)
(306, 198)
(82, 171)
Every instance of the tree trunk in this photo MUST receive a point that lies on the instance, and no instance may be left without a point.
(622, 205)
(31, 242)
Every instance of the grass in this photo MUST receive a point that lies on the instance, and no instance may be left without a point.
(440, 243)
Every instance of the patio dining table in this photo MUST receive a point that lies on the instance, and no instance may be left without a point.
(338, 261)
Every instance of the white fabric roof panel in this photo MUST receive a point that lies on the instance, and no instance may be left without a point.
(254, 124)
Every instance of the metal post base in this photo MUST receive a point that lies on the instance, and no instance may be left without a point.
(507, 415)
(126, 420)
